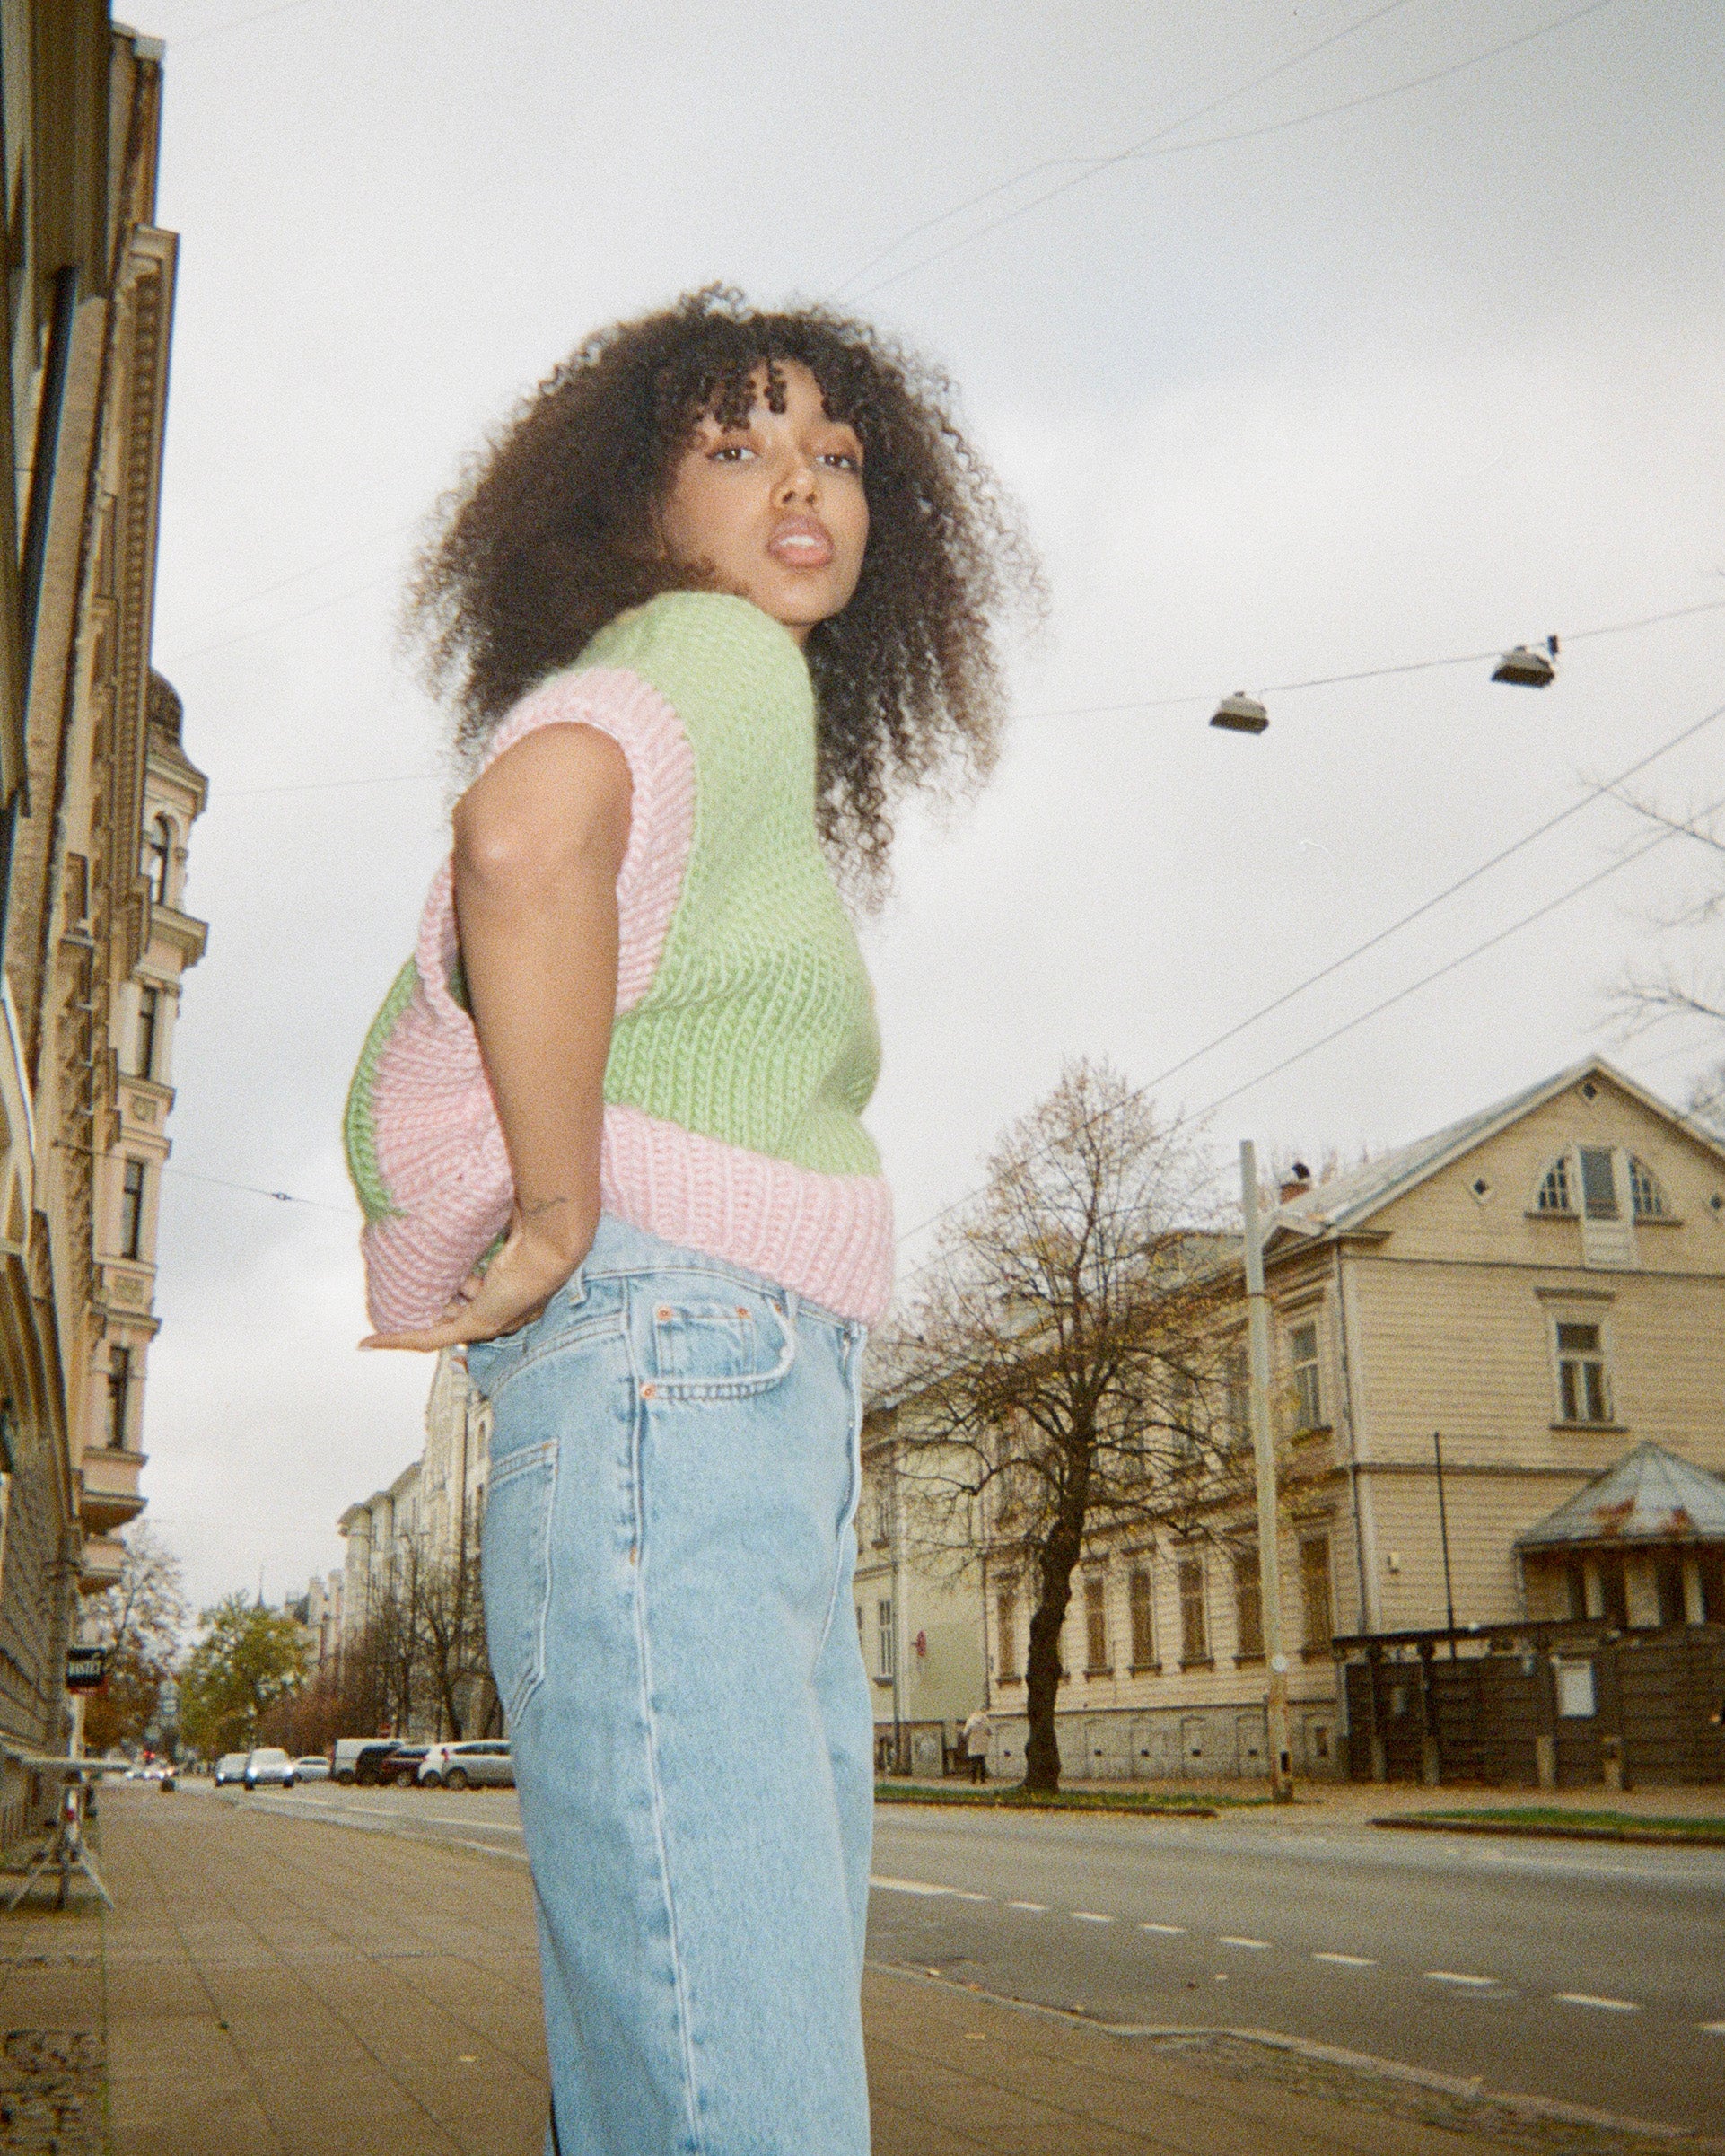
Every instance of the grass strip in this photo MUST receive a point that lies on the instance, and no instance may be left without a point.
(1015, 1797)
(1557, 1823)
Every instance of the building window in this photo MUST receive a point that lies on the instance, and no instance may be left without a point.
(1315, 1581)
(1302, 1356)
(158, 853)
(1248, 1608)
(1598, 1183)
(1553, 1192)
(859, 1624)
(1646, 1200)
(119, 1387)
(1006, 1619)
(149, 1011)
(1096, 1625)
(131, 1209)
(883, 1649)
(1142, 1611)
(1581, 1374)
(1238, 1393)
(1195, 1621)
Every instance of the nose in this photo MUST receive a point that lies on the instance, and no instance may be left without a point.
(799, 480)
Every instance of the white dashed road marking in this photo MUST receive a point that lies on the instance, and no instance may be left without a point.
(1090, 1916)
(921, 1886)
(1257, 1945)
(1347, 1960)
(1450, 1975)
(1168, 1931)
(1611, 2006)
(1711, 2028)
(1038, 1908)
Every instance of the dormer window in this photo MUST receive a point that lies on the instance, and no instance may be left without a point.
(1555, 1191)
(1646, 1197)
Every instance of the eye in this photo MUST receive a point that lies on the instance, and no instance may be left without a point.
(844, 460)
(728, 452)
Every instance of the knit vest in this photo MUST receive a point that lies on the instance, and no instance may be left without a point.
(744, 1046)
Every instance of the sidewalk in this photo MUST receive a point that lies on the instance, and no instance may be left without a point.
(270, 1987)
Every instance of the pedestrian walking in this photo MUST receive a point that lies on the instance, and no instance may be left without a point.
(978, 1733)
(720, 592)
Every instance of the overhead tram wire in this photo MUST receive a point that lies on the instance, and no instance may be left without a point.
(1085, 710)
(1197, 1116)
(1211, 141)
(1095, 164)
(1603, 791)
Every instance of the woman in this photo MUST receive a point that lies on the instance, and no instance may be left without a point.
(719, 591)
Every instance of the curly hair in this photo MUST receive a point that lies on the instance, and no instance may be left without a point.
(553, 531)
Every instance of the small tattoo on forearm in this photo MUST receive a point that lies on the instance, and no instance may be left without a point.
(531, 1208)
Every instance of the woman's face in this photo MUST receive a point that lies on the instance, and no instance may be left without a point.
(775, 508)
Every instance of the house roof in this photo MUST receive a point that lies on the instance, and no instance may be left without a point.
(1348, 1201)
(1650, 1495)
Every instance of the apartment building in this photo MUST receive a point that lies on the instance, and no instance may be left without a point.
(1540, 1289)
(97, 800)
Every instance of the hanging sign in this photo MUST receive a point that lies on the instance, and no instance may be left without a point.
(85, 1668)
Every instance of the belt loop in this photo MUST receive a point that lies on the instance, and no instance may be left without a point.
(791, 1308)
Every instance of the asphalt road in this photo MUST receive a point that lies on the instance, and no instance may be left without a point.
(1592, 1975)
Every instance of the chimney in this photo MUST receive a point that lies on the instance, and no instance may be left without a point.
(1300, 1182)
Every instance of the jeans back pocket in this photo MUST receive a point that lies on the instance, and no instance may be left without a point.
(515, 1563)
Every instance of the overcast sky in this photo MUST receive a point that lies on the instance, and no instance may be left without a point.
(1282, 397)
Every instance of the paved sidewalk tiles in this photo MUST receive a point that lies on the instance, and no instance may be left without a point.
(270, 1987)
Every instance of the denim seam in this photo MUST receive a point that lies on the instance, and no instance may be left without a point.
(644, 1652)
(513, 1467)
(853, 1448)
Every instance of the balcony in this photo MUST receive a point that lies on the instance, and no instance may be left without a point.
(111, 1491)
(101, 1565)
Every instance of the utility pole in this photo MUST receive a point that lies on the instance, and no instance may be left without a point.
(1269, 1565)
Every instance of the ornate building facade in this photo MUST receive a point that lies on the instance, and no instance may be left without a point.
(97, 798)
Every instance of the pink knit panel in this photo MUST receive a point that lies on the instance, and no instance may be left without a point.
(827, 1236)
(440, 1148)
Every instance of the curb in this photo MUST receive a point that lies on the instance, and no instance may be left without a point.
(1471, 2089)
(1657, 1837)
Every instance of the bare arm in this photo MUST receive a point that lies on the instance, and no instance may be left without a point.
(539, 839)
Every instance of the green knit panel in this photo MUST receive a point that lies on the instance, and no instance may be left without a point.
(758, 1028)
(359, 1126)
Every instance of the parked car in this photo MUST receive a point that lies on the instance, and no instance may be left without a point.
(401, 1766)
(478, 1762)
(231, 1767)
(267, 1768)
(360, 1759)
(313, 1767)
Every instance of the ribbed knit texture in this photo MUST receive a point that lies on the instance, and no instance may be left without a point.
(744, 1047)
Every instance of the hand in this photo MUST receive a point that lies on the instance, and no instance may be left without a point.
(538, 1256)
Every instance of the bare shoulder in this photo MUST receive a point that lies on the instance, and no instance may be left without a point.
(564, 779)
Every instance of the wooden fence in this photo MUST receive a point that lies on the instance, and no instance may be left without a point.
(1569, 1706)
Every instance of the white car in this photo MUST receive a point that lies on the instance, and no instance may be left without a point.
(231, 1767)
(270, 1767)
(313, 1767)
(483, 1762)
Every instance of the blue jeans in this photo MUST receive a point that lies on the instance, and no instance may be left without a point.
(667, 1553)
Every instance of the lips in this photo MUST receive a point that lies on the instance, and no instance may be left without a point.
(800, 542)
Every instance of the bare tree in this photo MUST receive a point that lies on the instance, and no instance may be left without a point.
(139, 1620)
(1689, 985)
(449, 1620)
(1067, 1371)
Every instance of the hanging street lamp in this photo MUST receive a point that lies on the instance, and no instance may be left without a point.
(1527, 666)
(1241, 713)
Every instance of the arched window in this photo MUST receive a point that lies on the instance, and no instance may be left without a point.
(1555, 1190)
(1648, 1198)
(158, 853)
